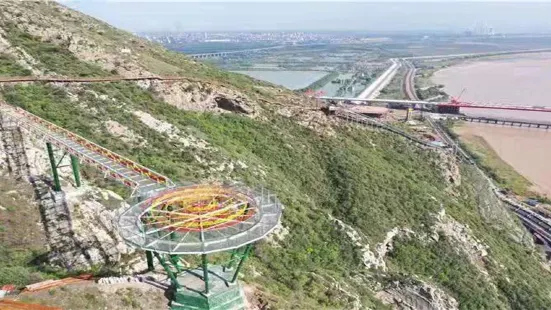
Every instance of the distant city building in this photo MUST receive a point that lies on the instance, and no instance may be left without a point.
(481, 29)
(262, 37)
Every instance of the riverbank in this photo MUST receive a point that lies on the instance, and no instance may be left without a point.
(517, 157)
(506, 153)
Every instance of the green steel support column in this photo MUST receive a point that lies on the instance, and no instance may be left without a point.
(232, 259)
(205, 272)
(243, 258)
(57, 185)
(235, 252)
(76, 169)
(149, 256)
(168, 271)
(175, 259)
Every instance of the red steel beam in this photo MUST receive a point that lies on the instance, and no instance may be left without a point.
(496, 107)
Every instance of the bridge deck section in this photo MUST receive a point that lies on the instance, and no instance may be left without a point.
(507, 121)
(443, 104)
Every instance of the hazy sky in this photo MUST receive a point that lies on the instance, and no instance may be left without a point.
(337, 15)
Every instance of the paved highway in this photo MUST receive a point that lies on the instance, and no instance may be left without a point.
(373, 90)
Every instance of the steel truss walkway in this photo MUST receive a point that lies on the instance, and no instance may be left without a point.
(367, 121)
(124, 170)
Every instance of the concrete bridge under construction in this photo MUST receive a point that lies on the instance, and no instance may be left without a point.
(226, 53)
(507, 122)
(452, 107)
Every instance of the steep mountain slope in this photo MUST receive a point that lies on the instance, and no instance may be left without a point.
(369, 219)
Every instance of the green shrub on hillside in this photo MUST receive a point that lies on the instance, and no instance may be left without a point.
(16, 267)
(442, 263)
(9, 67)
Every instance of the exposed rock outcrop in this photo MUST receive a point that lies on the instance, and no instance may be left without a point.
(235, 105)
(21, 56)
(417, 296)
(58, 30)
(124, 133)
(475, 250)
(173, 133)
(278, 235)
(79, 229)
(372, 259)
(202, 96)
(450, 169)
(99, 44)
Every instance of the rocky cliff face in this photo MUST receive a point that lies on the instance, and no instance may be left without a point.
(77, 223)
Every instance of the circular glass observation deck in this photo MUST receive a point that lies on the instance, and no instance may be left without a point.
(200, 219)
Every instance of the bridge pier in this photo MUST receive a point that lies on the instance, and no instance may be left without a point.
(75, 166)
(447, 110)
(57, 184)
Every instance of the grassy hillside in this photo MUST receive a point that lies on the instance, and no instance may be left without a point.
(371, 181)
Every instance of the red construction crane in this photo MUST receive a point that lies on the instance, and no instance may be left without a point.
(455, 100)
